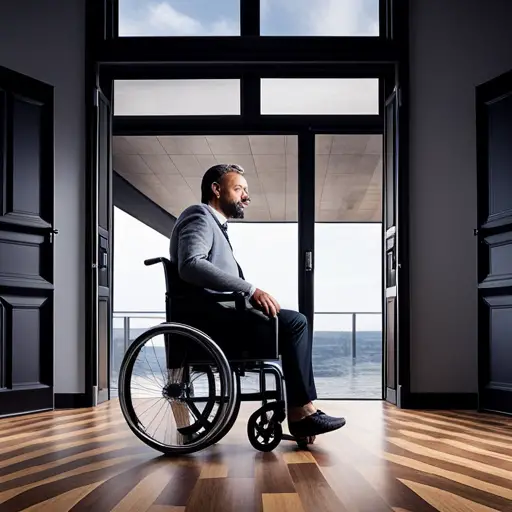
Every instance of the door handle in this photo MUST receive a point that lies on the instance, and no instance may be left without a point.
(52, 233)
(308, 261)
(103, 259)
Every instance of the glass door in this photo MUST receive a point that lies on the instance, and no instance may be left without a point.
(345, 282)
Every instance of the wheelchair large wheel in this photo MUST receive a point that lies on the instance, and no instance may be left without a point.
(177, 390)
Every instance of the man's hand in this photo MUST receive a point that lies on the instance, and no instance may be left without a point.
(265, 302)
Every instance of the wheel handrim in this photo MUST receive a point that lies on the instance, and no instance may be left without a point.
(226, 397)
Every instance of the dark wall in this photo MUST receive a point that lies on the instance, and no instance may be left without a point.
(454, 46)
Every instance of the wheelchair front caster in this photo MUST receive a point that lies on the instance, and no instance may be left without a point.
(263, 429)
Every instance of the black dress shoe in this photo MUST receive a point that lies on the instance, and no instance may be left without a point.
(315, 424)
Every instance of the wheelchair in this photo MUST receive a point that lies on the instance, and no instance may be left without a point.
(188, 393)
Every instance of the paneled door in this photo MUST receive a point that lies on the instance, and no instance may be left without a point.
(494, 232)
(26, 244)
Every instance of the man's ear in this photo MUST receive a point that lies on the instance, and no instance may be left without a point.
(216, 189)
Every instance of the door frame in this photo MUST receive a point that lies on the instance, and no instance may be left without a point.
(249, 57)
(306, 195)
(251, 122)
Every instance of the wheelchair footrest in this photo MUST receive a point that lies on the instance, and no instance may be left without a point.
(302, 443)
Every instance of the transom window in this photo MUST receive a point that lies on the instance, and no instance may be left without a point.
(345, 18)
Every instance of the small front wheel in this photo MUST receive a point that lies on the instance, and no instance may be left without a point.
(264, 432)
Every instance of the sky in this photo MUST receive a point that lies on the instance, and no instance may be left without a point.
(347, 268)
(222, 17)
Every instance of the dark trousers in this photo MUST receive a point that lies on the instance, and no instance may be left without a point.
(247, 332)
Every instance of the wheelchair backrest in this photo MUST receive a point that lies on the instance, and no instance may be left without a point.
(175, 287)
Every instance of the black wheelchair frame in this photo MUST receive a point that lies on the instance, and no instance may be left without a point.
(264, 428)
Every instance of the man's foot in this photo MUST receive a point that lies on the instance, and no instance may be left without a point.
(314, 425)
(298, 413)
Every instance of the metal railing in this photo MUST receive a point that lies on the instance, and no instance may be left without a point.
(159, 316)
(354, 315)
(358, 369)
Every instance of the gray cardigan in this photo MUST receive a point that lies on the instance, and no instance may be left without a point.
(202, 253)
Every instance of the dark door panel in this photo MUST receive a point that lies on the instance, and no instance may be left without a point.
(494, 147)
(26, 244)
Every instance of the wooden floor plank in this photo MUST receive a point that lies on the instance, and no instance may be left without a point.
(144, 494)
(445, 501)
(313, 489)
(272, 474)
(179, 489)
(224, 495)
(456, 488)
(64, 501)
(165, 508)
(384, 459)
(111, 491)
(282, 502)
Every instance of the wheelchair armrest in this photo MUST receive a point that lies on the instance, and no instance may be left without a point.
(237, 298)
(225, 297)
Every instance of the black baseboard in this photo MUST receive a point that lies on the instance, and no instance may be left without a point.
(71, 400)
(467, 401)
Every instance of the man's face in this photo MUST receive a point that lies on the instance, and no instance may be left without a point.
(234, 195)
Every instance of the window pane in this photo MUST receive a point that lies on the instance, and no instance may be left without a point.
(347, 345)
(347, 356)
(348, 267)
(349, 18)
(176, 97)
(134, 242)
(331, 96)
(267, 253)
(179, 18)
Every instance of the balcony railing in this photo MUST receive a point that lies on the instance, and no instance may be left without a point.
(347, 350)
(159, 316)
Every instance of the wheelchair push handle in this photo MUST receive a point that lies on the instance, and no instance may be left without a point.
(153, 261)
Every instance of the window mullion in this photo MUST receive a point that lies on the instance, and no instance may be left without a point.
(249, 17)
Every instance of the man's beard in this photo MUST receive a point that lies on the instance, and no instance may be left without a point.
(235, 210)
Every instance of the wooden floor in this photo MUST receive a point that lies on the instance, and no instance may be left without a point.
(383, 460)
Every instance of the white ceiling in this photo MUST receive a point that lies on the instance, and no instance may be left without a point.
(348, 170)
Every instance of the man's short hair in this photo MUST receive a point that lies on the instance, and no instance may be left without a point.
(214, 175)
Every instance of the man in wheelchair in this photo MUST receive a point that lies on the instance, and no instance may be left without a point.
(201, 252)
